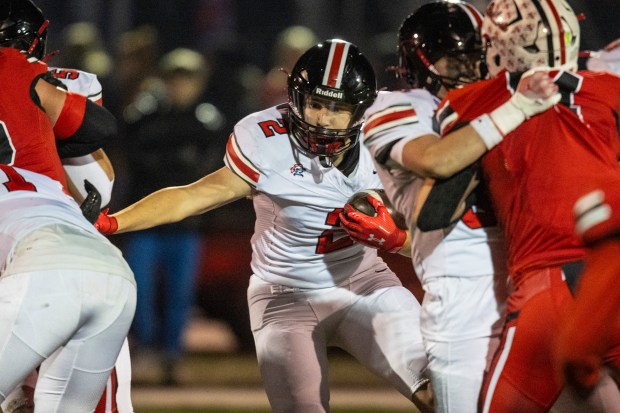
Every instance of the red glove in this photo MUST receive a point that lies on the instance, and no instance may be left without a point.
(378, 232)
(106, 224)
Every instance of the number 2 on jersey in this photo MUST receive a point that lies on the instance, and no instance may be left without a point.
(15, 182)
(326, 241)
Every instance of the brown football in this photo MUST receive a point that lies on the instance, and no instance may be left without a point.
(359, 201)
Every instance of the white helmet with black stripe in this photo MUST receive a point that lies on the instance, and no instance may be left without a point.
(523, 34)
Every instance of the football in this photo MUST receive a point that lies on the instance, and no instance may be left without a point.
(359, 201)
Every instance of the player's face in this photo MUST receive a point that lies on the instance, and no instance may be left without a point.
(458, 70)
(327, 113)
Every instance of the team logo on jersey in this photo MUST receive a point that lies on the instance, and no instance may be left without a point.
(298, 170)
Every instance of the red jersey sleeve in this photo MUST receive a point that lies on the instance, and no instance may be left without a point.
(460, 106)
(26, 139)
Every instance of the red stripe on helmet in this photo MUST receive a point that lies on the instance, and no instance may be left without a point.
(477, 17)
(338, 60)
(36, 40)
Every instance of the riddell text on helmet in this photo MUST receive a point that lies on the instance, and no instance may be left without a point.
(328, 93)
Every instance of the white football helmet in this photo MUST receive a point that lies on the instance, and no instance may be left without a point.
(523, 34)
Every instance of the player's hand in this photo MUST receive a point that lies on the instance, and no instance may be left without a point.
(91, 206)
(536, 92)
(378, 232)
(106, 224)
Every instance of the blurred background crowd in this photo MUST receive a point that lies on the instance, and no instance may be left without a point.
(178, 75)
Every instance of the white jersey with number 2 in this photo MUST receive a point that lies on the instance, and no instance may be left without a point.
(297, 241)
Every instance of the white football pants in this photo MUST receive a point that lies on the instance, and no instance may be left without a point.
(371, 316)
(461, 322)
(86, 313)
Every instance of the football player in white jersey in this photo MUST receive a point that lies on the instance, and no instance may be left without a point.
(312, 287)
(462, 268)
(62, 286)
(97, 169)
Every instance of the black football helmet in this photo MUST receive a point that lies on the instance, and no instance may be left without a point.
(335, 73)
(435, 30)
(23, 26)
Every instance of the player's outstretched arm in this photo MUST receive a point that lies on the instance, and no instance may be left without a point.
(431, 157)
(173, 204)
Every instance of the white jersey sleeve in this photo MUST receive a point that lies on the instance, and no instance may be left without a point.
(297, 240)
(77, 81)
(395, 118)
(464, 249)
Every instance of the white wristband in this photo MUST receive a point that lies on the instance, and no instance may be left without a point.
(487, 130)
(508, 116)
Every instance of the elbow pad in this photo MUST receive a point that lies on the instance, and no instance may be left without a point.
(444, 199)
(95, 127)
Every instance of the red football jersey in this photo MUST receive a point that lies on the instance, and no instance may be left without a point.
(538, 171)
(27, 136)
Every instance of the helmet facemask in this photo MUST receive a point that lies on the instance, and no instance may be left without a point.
(325, 141)
(451, 70)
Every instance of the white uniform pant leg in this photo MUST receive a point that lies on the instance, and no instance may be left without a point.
(461, 321)
(89, 312)
(123, 375)
(291, 351)
(119, 399)
(382, 331)
(456, 370)
(13, 293)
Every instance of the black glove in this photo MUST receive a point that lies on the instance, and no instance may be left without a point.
(92, 203)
